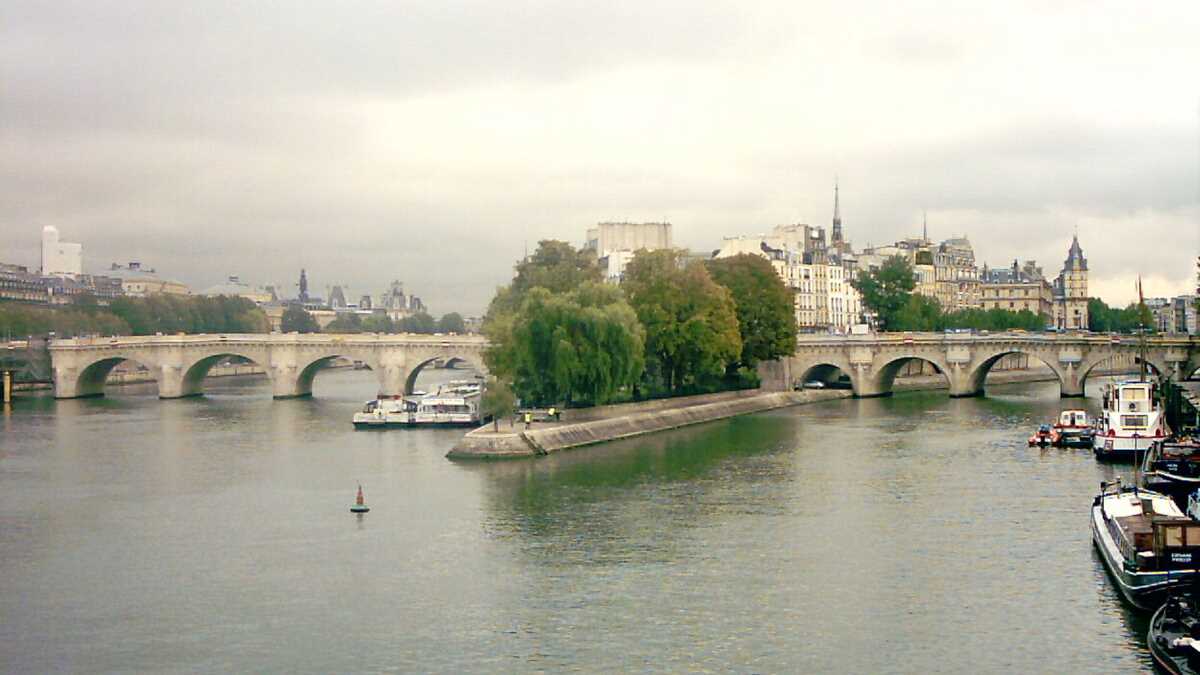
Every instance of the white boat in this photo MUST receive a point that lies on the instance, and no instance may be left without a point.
(1148, 545)
(1131, 420)
(386, 411)
(1073, 430)
(448, 410)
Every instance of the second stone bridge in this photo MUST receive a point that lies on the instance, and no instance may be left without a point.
(872, 361)
(179, 363)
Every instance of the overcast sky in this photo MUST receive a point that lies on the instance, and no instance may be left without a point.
(430, 141)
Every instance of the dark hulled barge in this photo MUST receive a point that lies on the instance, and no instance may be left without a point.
(1148, 545)
(1174, 635)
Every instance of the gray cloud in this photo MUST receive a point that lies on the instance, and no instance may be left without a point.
(432, 141)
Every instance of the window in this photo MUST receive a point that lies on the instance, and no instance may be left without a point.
(1133, 421)
(1173, 536)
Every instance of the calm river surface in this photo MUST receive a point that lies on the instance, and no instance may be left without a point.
(910, 534)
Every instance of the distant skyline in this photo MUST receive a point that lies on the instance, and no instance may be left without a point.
(431, 142)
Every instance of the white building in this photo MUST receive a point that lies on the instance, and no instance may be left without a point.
(616, 243)
(60, 258)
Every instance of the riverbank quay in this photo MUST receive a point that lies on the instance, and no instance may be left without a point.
(589, 426)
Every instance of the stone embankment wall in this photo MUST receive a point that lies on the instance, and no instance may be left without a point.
(607, 423)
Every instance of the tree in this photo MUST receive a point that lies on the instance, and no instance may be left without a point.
(584, 346)
(378, 323)
(498, 400)
(451, 323)
(296, 319)
(919, 313)
(417, 323)
(885, 290)
(690, 320)
(345, 323)
(766, 320)
(555, 266)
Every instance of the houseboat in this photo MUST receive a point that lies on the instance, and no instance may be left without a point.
(1172, 467)
(1147, 543)
(387, 411)
(1073, 430)
(1132, 419)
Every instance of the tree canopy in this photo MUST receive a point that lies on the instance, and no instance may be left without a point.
(582, 346)
(452, 323)
(690, 321)
(886, 290)
(555, 266)
(1105, 319)
(297, 320)
(765, 314)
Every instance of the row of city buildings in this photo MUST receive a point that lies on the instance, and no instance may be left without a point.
(60, 280)
(819, 271)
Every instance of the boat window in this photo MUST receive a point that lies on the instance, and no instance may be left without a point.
(1136, 421)
(1193, 536)
(1138, 394)
(1174, 536)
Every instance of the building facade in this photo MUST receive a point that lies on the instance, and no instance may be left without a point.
(1017, 288)
(616, 243)
(1071, 291)
(60, 258)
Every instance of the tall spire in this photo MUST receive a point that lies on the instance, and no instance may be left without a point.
(837, 215)
(925, 225)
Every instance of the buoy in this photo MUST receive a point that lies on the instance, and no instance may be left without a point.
(359, 507)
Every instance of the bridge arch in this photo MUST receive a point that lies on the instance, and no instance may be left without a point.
(193, 374)
(887, 368)
(825, 371)
(977, 377)
(475, 361)
(93, 376)
(307, 373)
(1155, 367)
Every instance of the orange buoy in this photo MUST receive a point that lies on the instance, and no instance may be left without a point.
(359, 506)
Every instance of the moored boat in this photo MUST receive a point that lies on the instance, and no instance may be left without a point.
(1174, 635)
(1073, 429)
(1172, 467)
(386, 411)
(1148, 545)
(1043, 437)
(1132, 419)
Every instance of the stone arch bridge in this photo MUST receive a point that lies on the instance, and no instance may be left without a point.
(873, 361)
(180, 362)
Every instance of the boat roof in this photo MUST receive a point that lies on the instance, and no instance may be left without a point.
(1126, 504)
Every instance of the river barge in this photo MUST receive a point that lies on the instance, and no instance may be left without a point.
(1148, 545)
(1174, 635)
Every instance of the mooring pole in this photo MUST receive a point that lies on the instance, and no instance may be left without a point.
(8, 386)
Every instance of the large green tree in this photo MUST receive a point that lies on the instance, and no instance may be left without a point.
(452, 323)
(583, 346)
(690, 320)
(555, 266)
(886, 290)
(296, 320)
(498, 400)
(765, 314)
(420, 322)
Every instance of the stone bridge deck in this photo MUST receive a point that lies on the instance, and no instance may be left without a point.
(180, 362)
(873, 361)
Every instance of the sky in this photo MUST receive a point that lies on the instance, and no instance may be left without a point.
(433, 141)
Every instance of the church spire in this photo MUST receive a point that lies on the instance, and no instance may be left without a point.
(837, 215)
(925, 226)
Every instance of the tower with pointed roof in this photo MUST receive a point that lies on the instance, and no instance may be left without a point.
(836, 241)
(1071, 291)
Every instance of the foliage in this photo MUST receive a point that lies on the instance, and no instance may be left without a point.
(417, 323)
(922, 313)
(919, 313)
(766, 320)
(297, 320)
(690, 321)
(378, 323)
(498, 400)
(452, 323)
(886, 290)
(347, 322)
(20, 321)
(1105, 319)
(555, 266)
(582, 346)
(190, 314)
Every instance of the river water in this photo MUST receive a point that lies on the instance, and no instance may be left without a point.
(909, 534)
